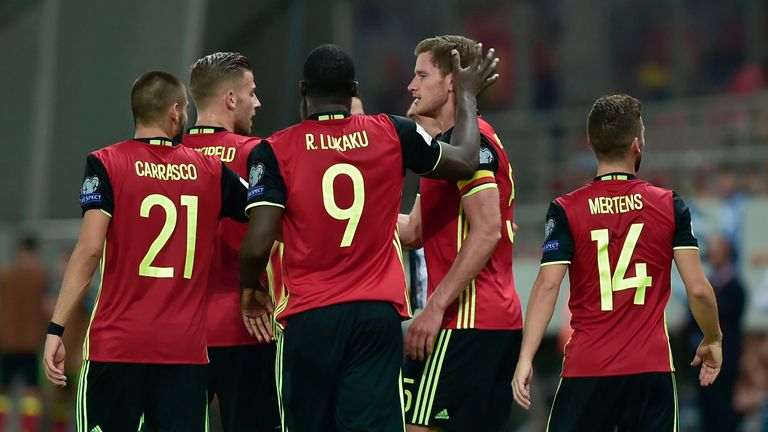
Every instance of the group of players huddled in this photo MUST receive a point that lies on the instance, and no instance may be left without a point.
(294, 320)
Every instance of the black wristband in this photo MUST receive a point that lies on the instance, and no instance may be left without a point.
(55, 329)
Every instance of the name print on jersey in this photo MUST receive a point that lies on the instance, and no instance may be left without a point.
(343, 143)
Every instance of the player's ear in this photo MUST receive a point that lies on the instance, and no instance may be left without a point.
(353, 89)
(303, 88)
(449, 77)
(230, 100)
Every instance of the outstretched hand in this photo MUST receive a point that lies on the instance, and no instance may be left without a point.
(476, 76)
(710, 356)
(257, 309)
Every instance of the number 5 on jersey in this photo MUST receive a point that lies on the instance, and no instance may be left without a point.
(353, 212)
(610, 282)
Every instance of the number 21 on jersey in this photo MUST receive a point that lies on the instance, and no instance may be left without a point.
(615, 281)
(169, 225)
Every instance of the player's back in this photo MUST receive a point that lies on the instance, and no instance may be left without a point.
(224, 325)
(623, 230)
(343, 179)
(166, 203)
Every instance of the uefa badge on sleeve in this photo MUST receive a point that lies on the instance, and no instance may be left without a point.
(254, 177)
(89, 193)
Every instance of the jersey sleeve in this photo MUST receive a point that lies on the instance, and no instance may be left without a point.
(96, 192)
(421, 152)
(558, 240)
(233, 192)
(485, 175)
(684, 237)
(265, 182)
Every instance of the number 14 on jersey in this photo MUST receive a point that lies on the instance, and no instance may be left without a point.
(615, 281)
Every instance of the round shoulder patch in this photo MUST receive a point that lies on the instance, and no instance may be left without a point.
(90, 185)
(255, 174)
(486, 156)
(549, 227)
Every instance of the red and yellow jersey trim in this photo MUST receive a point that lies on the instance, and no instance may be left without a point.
(483, 179)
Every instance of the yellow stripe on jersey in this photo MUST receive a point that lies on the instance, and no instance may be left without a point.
(669, 347)
(197, 131)
(399, 252)
(480, 187)
(325, 117)
(510, 231)
(286, 293)
(479, 175)
(87, 341)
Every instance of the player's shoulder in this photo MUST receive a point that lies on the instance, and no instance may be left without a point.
(115, 149)
(485, 127)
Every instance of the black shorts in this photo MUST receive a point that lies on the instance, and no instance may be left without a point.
(243, 379)
(112, 397)
(338, 369)
(640, 402)
(23, 366)
(466, 384)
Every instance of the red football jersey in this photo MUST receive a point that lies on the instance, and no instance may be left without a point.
(617, 234)
(339, 178)
(225, 324)
(165, 203)
(490, 301)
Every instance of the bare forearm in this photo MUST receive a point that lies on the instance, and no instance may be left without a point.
(541, 306)
(704, 309)
(466, 132)
(474, 254)
(77, 279)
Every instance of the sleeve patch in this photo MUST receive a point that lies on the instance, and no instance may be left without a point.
(89, 192)
(552, 246)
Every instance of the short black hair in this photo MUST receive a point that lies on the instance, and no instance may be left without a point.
(152, 93)
(329, 71)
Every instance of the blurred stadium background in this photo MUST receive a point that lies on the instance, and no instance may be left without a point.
(700, 68)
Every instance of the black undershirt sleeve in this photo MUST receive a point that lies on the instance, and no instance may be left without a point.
(233, 194)
(421, 152)
(558, 240)
(265, 181)
(96, 191)
(684, 237)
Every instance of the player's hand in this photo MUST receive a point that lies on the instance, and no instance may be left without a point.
(710, 356)
(478, 75)
(257, 311)
(53, 360)
(420, 338)
(521, 383)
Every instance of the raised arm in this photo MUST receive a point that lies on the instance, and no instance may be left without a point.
(459, 157)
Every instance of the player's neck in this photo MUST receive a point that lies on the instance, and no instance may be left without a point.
(318, 108)
(604, 168)
(447, 116)
(151, 132)
(206, 118)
